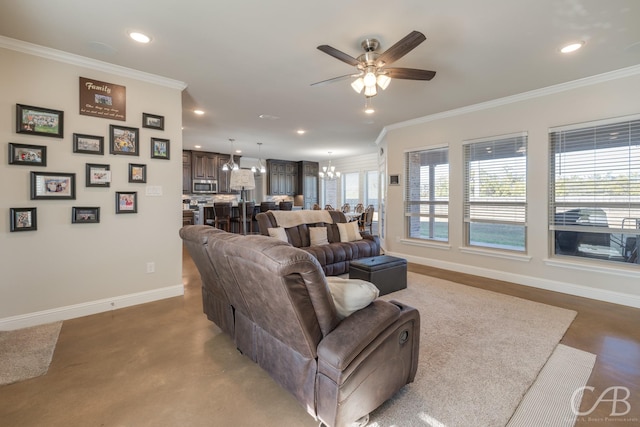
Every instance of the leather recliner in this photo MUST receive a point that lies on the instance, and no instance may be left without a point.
(285, 320)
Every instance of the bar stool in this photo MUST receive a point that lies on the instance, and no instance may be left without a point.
(285, 206)
(222, 215)
(249, 207)
(267, 206)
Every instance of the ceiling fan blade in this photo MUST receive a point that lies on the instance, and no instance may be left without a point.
(408, 73)
(339, 55)
(400, 49)
(336, 79)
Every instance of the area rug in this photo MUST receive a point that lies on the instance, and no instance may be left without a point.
(480, 353)
(554, 397)
(26, 353)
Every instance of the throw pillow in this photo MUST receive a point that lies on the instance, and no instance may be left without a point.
(350, 295)
(278, 233)
(349, 231)
(318, 236)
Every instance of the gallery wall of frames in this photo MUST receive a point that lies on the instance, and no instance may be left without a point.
(98, 99)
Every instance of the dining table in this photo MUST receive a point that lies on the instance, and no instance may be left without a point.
(352, 216)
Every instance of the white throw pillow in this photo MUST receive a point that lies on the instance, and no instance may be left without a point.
(278, 233)
(350, 295)
(349, 231)
(318, 236)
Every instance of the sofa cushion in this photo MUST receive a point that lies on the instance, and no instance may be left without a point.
(349, 232)
(350, 295)
(318, 236)
(278, 233)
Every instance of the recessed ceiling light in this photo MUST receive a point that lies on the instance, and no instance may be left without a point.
(139, 37)
(238, 151)
(198, 112)
(198, 146)
(268, 117)
(301, 131)
(571, 47)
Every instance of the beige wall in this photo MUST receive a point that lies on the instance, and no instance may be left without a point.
(64, 270)
(603, 97)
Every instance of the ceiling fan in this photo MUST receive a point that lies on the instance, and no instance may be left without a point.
(373, 67)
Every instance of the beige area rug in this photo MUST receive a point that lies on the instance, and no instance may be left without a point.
(26, 353)
(480, 353)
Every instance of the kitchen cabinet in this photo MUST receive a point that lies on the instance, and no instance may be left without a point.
(204, 165)
(224, 177)
(282, 177)
(186, 172)
(187, 217)
(308, 183)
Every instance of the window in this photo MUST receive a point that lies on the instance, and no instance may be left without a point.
(351, 189)
(595, 190)
(495, 198)
(427, 194)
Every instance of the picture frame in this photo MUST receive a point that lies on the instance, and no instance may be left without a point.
(97, 175)
(124, 140)
(27, 155)
(160, 148)
(137, 173)
(152, 121)
(53, 185)
(23, 219)
(85, 215)
(39, 121)
(88, 144)
(126, 202)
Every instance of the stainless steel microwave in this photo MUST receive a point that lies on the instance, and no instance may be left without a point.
(204, 186)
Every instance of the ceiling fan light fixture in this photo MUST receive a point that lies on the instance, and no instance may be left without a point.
(368, 106)
(358, 84)
(369, 78)
(383, 81)
(370, 91)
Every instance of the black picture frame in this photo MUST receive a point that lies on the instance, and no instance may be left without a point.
(39, 121)
(152, 121)
(85, 215)
(137, 173)
(160, 148)
(53, 185)
(97, 175)
(124, 140)
(88, 144)
(27, 155)
(23, 219)
(126, 202)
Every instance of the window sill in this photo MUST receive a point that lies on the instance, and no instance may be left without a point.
(427, 244)
(621, 270)
(495, 254)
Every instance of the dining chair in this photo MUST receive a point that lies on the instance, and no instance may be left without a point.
(346, 208)
(328, 207)
(249, 209)
(267, 206)
(285, 206)
(316, 207)
(366, 219)
(359, 208)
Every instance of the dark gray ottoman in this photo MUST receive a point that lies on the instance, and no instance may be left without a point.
(388, 273)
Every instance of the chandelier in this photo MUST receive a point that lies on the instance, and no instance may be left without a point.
(230, 165)
(262, 168)
(329, 173)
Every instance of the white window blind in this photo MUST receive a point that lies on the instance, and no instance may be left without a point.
(495, 194)
(595, 182)
(427, 194)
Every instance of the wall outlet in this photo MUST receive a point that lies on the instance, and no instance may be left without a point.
(151, 267)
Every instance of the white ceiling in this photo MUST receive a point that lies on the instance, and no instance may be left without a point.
(244, 58)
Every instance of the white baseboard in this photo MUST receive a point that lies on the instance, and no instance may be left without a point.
(88, 308)
(534, 282)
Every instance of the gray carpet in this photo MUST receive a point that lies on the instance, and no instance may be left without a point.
(26, 353)
(480, 353)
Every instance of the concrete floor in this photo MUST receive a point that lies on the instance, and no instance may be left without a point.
(164, 364)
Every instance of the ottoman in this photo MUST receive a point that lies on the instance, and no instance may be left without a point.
(388, 273)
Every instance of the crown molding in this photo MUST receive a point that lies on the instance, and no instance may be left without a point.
(82, 61)
(537, 93)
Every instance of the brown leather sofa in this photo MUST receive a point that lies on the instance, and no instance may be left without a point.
(274, 302)
(334, 257)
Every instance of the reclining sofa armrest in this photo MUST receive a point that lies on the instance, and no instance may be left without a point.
(338, 349)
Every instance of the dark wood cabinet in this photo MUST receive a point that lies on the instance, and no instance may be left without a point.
(187, 217)
(282, 177)
(224, 177)
(308, 183)
(186, 172)
(204, 165)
